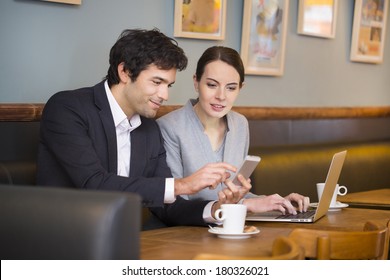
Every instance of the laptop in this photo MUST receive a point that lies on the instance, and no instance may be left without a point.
(323, 205)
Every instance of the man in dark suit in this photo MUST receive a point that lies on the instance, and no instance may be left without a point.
(105, 138)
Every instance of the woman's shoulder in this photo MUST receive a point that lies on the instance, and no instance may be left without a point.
(237, 117)
(173, 122)
(171, 117)
(174, 117)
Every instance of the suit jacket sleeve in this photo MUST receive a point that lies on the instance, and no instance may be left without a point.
(182, 212)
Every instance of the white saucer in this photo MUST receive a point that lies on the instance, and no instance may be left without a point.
(337, 207)
(221, 234)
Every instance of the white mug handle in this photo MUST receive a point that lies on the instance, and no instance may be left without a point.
(219, 212)
(344, 192)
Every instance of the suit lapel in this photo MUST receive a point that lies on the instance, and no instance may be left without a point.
(107, 120)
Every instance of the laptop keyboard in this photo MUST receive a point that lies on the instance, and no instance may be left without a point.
(301, 215)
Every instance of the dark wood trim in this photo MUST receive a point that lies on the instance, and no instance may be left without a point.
(21, 112)
(166, 109)
(277, 113)
(33, 112)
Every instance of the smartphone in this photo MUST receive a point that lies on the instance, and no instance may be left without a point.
(246, 169)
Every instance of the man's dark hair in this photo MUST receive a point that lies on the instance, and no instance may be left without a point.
(139, 48)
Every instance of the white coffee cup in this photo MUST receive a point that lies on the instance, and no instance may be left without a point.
(232, 216)
(339, 190)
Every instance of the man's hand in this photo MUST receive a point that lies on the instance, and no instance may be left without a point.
(209, 176)
(232, 194)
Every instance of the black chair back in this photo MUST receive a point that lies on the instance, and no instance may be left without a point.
(59, 223)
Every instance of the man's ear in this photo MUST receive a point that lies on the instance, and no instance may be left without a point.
(123, 74)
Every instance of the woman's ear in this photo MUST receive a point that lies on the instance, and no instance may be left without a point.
(196, 83)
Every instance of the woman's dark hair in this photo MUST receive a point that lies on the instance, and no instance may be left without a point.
(139, 48)
(225, 54)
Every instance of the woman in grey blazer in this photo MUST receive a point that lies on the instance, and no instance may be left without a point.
(206, 130)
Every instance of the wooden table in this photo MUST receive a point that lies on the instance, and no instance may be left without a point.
(186, 242)
(376, 199)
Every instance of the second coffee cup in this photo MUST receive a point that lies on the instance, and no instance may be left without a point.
(339, 190)
(233, 217)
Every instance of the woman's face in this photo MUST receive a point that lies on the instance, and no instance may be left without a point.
(218, 89)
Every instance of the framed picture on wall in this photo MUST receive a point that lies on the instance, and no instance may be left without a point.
(317, 18)
(263, 38)
(74, 2)
(369, 29)
(200, 19)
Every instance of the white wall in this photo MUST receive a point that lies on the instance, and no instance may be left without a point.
(47, 47)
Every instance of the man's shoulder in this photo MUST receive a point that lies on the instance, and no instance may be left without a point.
(79, 101)
(84, 95)
(72, 94)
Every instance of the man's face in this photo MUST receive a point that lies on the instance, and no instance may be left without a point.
(145, 95)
